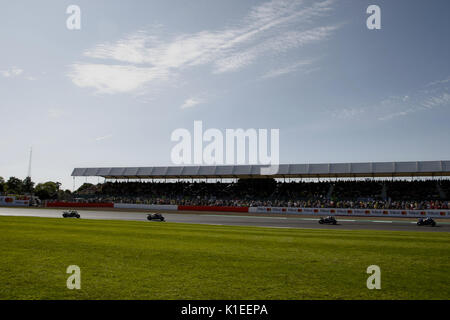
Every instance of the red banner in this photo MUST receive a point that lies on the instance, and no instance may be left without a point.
(80, 205)
(212, 208)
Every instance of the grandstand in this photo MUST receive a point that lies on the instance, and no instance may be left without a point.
(349, 189)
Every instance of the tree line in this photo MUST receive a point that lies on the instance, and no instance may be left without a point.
(49, 190)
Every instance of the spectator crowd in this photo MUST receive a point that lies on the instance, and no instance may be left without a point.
(369, 194)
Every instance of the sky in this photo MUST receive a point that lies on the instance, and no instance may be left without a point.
(112, 92)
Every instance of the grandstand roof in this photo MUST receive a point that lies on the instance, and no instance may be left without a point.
(326, 170)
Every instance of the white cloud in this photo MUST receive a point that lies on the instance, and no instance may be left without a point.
(54, 113)
(15, 72)
(191, 102)
(287, 69)
(437, 100)
(148, 56)
(396, 114)
(12, 72)
(115, 78)
(437, 82)
(274, 45)
(348, 113)
(103, 137)
(424, 99)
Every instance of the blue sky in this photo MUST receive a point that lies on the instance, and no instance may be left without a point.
(112, 93)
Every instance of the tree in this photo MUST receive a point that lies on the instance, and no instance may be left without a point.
(65, 195)
(28, 185)
(47, 190)
(85, 188)
(14, 186)
(2, 184)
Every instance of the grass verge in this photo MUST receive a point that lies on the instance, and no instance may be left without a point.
(150, 260)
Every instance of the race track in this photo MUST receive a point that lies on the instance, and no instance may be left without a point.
(344, 223)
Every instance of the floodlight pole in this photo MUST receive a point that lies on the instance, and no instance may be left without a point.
(29, 163)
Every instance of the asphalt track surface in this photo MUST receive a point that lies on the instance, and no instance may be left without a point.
(344, 223)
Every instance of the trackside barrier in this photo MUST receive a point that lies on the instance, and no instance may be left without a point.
(12, 201)
(353, 212)
(178, 208)
(268, 210)
(80, 205)
(146, 206)
(213, 208)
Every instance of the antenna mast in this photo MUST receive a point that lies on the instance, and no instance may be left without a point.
(29, 163)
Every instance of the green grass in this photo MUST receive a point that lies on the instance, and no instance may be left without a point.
(150, 260)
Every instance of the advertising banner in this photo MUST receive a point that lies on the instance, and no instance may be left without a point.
(59, 204)
(12, 201)
(353, 212)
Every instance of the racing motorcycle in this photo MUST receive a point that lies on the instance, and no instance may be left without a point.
(328, 220)
(426, 222)
(155, 216)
